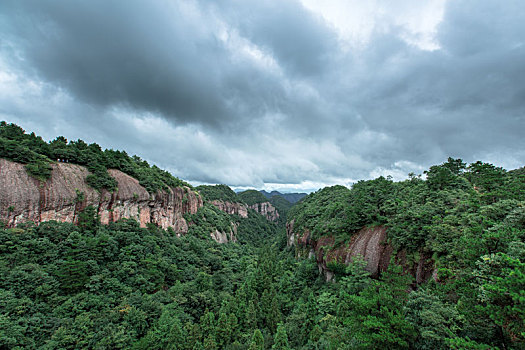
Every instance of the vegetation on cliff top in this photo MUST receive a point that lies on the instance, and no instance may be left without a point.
(38, 155)
(252, 197)
(470, 221)
(218, 192)
(121, 286)
(282, 206)
(452, 192)
(290, 197)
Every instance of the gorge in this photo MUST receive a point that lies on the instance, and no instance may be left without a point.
(102, 249)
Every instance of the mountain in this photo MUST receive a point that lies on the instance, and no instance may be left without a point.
(66, 193)
(460, 232)
(260, 204)
(60, 180)
(290, 197)
(99, 249)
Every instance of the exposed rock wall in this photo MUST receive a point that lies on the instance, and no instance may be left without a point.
(66, 193)
(369, 243)
(225, 237)
(231, 208)
(267, 210)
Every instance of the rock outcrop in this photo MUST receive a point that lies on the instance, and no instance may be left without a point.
(225, 237)
(369, 243)
(267, 210)
(66, 194)
(231, 208)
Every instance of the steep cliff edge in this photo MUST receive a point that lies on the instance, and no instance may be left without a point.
(267, 210)
(66, 193)
(258, 202)
(231, 208)
(369, 243)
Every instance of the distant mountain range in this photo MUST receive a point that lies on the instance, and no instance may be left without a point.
(290, 197)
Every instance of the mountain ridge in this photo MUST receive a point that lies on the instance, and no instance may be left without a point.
(292, 197)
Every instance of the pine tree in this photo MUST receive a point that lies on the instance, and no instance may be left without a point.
(194, 334)
(280, 341)
(257, 341)
(376, 317)
(210, 343)
(233, 324)
(177, 336)
(251, 316)
(207, 323)
(198, 346)
(223, 331)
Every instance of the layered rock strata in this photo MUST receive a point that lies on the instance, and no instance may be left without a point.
(369, 244)
(267, 210)
(232, 208)
(66, 194)
(225, 237)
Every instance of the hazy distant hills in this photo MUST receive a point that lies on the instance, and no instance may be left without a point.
(290, 197)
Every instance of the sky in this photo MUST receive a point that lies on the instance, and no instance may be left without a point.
(282, 94)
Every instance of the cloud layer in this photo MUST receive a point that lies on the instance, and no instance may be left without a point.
(272, 94)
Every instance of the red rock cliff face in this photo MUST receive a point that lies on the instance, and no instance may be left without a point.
(225, 237)
(231, 208)
(267, 210)
(66, 193)
(368, 243)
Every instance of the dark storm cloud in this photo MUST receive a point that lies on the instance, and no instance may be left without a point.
(136, 56)
(256, 92)
(300, 41)
(462, 100)
(146, 56)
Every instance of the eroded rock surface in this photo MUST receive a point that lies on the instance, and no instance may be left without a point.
(267, 210)
(66, 193)
(225, 237)
(231, 208)
(369, 244)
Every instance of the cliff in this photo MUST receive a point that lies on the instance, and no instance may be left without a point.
(225, 237)
(369, 243)
(267, 210)
(232, 208)
(66, 193)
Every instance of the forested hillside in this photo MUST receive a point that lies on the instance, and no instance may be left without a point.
(120, 286)
(37, 154)
(219, 192)
(290, 197)
(464, 223)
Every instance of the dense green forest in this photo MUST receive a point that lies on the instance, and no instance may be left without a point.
(252, 197)
(120, 286)
(218, 192)
(283, 207)
(32, 150)
(290, 197)
(470, 220)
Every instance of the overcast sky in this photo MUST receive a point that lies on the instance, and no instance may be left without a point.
(289, 95)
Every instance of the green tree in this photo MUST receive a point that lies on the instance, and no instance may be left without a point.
(223, 331)
(257, 341)
(375, 316)
(500, 281)
(280, 341)
(434, 321)
(88, 219)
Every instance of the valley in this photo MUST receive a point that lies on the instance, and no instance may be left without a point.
(99, 249)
